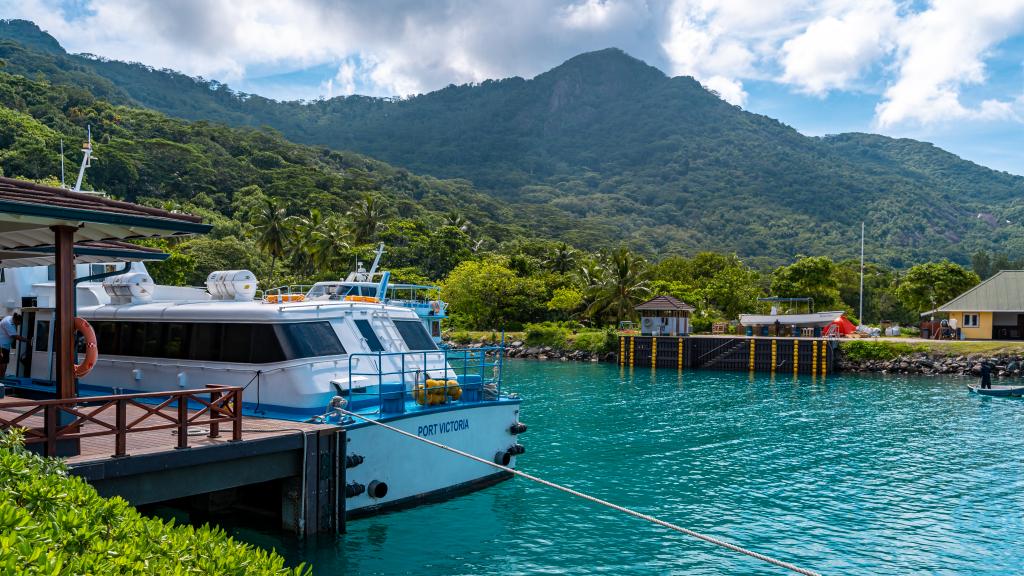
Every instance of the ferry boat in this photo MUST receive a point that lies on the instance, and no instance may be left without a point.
(424, 299)
(300, 356)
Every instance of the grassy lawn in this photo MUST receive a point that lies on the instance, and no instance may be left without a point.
(890, 348)
(964, 347)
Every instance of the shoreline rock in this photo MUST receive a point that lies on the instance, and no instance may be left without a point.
(520, 350)
(925, 364)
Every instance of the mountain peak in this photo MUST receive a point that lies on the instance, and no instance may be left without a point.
(30, 35)
(604, 65)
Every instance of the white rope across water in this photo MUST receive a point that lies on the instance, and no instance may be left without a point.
(567, 490)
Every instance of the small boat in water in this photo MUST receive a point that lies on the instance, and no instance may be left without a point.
(1002, 390)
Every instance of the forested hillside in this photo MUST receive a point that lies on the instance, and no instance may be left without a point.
(605, 149)
(295, 214)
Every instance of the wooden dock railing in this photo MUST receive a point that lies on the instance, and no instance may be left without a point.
(214, 405)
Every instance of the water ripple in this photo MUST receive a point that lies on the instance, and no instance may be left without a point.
(853, 475)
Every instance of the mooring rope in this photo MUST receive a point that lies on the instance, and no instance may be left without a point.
(596, 500)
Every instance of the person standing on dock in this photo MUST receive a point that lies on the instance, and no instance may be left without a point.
(8, 334)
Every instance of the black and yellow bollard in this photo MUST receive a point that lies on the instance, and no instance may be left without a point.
(814, 357)
(796, 357)
(824, 359)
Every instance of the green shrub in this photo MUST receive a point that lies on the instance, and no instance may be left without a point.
(858, 350)
(54, 523)
(547, 334)
(597, 342)
(461, 337)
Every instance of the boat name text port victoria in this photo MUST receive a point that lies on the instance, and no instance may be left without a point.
(443, 427)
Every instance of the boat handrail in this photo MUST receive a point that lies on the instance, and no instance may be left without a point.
(288, 290)
(414, 367)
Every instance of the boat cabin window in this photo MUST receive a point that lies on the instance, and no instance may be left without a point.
(369, 335)
(309, 339)
(415, 335)
(42, 336)
(241, 343)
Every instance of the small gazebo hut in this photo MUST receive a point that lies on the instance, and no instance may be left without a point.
(664, 316)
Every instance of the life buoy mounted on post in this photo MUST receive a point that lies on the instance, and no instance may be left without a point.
(91, 351)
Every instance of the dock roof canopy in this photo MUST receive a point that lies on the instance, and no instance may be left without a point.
(85, 253)
(1003, 292)
(660, 303)
(29, 210)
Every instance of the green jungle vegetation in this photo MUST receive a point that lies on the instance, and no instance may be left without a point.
(605, 150)
(297, 214)
(52, 523)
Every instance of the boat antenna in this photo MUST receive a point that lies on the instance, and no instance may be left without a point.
(62, 184)
(860, 313)
(86, 156)
(376, 261)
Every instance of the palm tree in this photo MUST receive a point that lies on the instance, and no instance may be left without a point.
(457, 220)
(366, 214)
(620, 288)
(271, 229)
(562, 260)
(330, 243)
(303, 245)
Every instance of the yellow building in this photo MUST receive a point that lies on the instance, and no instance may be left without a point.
(991, 310)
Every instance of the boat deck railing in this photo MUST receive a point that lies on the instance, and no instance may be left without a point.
(426, 377)
(284, 293)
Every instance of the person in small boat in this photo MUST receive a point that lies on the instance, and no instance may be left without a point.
(986, 375)
(8, 334)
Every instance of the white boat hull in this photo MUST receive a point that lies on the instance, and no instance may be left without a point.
(416, 472)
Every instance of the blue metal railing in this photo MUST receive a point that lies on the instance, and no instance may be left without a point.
(476, 370)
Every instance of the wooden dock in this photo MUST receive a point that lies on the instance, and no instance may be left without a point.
(150, 448)
(742, 353)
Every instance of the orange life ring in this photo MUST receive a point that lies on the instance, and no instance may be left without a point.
(91, 351)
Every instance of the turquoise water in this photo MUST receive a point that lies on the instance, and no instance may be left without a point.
(850, 475)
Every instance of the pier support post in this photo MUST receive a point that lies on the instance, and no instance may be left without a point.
(311, 502)
(654, 352)
(679, 354)
(774, 364)
(632, 350)
(753, 349)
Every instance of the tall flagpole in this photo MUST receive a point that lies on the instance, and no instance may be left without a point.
(860, 315)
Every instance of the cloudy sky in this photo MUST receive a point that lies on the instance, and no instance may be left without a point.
(945, 71)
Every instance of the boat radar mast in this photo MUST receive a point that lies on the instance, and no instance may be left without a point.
(376, 260)
(86, 163)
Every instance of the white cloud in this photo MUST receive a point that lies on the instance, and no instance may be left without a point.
(941, 50)
(601, 14)
(923, 57)
(835, 50)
